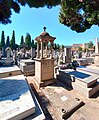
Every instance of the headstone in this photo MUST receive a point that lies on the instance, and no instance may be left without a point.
(67, 54)
(8, 50)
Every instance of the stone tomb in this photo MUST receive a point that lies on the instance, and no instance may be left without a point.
(27, 66)
(44, 64)
(84, 82)
(16, 101)
(12, 70)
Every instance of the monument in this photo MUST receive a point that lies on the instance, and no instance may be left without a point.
(96, 60)
(44, 66)
(67, 54)
(7, 61)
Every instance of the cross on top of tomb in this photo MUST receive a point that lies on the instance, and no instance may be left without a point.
(44, 29)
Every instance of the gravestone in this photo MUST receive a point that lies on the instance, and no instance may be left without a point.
(67, 54)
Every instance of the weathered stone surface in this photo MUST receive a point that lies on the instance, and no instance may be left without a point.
(16, 101)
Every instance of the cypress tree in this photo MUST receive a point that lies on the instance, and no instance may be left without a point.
(7, 41)
(12, 42)
(28, 41)
(22, 41)
(2, 39)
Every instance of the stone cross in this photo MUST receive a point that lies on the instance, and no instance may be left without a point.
(44, 29)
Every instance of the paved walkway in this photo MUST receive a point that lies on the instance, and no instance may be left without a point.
(56, 97)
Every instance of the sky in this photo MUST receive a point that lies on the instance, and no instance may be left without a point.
(32, 21)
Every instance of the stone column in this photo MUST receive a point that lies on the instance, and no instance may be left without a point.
(97, 47)
(41, 49)
(37, 56)
(51, 48)
(46, 49)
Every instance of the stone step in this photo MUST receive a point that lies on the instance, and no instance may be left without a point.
(88, 92)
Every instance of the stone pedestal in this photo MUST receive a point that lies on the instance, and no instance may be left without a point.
(44, 70)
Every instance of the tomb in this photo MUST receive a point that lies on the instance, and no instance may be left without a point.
(84, 82)
(6, 71)
(44, 65)
(27, 66)
(7, 61)
(67, 54)
(16, 101)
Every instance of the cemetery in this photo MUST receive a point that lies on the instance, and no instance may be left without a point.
(47, 81)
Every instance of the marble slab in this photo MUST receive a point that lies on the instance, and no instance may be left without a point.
(9, 69)
(16, 101)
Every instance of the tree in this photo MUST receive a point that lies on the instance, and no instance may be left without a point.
(2, 39)
(12, 42)
(62, 47)
(90, 44)
(22, 41)
(55, 46)
(80, 49)
(7, 41)
(79, 15)
(28, 41)
(32, 44)
(7, 5)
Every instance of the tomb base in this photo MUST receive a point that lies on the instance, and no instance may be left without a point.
(44, 71)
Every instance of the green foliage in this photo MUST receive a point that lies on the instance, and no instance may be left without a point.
(79, 15)
(35, 45)
(90, 44)
(22, 41)
(5, 10)
(7, 5)
(28, 41)
(80, 49)
(55, 46)
(2, 39)
(32, 44)
(62, 47)
(12, 42)
(7, 41)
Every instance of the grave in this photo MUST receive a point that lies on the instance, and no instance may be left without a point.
(44, 66)
(83, 81)
(67, 54)
(7, 61)
(16, 101)
(27, 66)
(12, 70)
